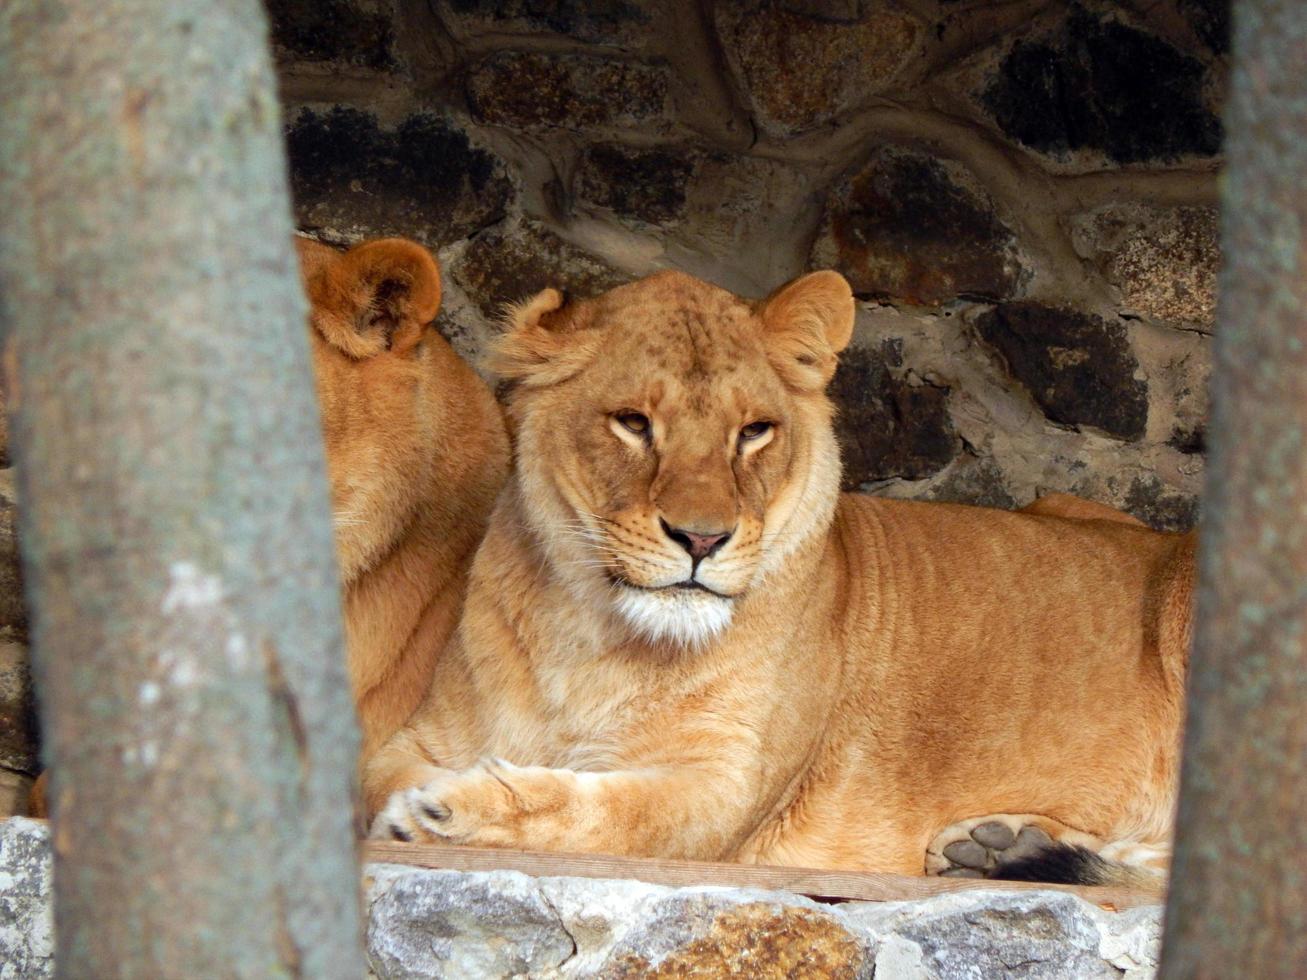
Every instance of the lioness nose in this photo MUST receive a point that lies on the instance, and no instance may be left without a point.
(698, 545)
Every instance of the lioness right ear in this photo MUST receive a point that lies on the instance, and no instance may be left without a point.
(807, 322)
(378, 296)
(547, 341)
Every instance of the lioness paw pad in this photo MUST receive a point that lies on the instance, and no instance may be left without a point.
(982, 847)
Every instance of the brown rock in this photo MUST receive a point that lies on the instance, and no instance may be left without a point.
(503, 266)
(18, 739)
(13, 609)
(423, 179)
(888, 427)
(646, 185)
(529, 89)
(356, 33)
(607, 21)
(688, 937)
(1163, 260)
(1079, 368)
(915, 229)
(14, 790)
(804, 64)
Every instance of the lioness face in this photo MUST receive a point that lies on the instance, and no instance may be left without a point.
(674, 441)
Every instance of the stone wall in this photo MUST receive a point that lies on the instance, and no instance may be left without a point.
(1022, 195)
(441, 924)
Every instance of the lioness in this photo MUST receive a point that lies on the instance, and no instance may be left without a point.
(681, 640)
(416, 453)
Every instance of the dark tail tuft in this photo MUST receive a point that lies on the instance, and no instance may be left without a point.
(1071, 864)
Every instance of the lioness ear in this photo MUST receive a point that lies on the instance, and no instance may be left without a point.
(807, 322)
(377, 296)
(547, 341)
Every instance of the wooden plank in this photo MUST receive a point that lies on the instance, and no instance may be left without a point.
(815, 883)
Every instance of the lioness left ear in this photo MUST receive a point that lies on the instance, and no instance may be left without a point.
(378, 296)
(807, 322)
(548, 340)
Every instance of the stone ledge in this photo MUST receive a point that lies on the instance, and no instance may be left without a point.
(426, 923)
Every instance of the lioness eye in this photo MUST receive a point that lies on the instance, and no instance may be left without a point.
(754, 430)
(634, 422)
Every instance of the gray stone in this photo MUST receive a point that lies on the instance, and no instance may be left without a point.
(428, 923)
(915, 229)
(994, 834)
(1163, 260)
(1030, 935)
(446, 924)
(578, 92)
(968, 854)
(26, 919)
(802, 69)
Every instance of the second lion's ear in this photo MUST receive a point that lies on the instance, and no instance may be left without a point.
(547, 340)
(378, 296)
(806, 323)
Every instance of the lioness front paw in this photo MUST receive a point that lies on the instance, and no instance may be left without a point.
(475, 806)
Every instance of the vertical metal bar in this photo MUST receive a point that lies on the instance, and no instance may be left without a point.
(1238, 901)
(175, 519)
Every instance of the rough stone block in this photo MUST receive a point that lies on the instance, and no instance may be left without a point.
(1211, 21)
(425, 923)
(691, 934)
(26, 918)
(424, 179)
(1161, 506)
(1078, 368)
(15, 789)
(607, 21)
(504, 265)
(354, 33)
(578, 92)
(13, 609)
(888, 427)
(1163, 260)
(643, 185)
(1097, 85)
(960, 937)
(18, 748)
(446, 924)
(912, 228)
(802, 65)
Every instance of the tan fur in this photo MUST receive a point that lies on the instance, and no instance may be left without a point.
(416, 453)
(888, 668)
(404, 422)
